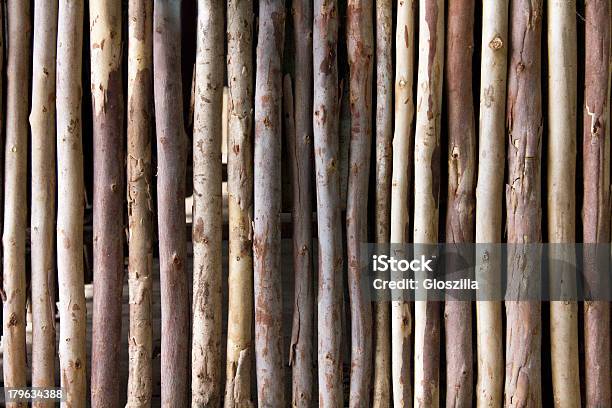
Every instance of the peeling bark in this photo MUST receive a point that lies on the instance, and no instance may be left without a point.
(140, 206)
(489, 193)
(460, 213)
(70, 193)
(523, 203)
(42, 121)
(109, 179)
(267, 202)
(171, 154)
(596, 198)
(240, 203)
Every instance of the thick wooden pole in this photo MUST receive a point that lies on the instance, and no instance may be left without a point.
(70, 195)
(108, 199)
(596, 198)
(15, 197)
(267, 201)
(171, 158)
(561, 187)
(327, 165)
(360, 51)
(489, 191)
(42, 230)
(240, 202)
(140, 206)
(207, 207)
(401, 316)
(523, 202)
(427, 193)
(460, 221)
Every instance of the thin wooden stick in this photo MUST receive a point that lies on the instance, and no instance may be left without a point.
(171, 152)
(240, 203)
(70, 194)
(267, 200)
(42, 230)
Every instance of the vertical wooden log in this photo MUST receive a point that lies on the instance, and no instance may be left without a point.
(329, 229)
(381, 388)
(427, 192)
(109, 179)
(523, 202)
(596, 210)
(240, 202)
(15, 198)
(207, 211)
(460, 221)
(561, 187)
(489, 192)
(171, 152)
(401, 316)
(267, 201)
(360, 51)
(140, 206)
(42, 121)
(70, 194)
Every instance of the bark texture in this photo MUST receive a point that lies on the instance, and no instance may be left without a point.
(301, 157)
(523, 203)
(489, 192)
(240, 203)
(267, 202)
(171, 158)
(327, 166)
(460, 221)
(360, 52)
(42, 121)
(109, 181)
(140, 205)
(207, 207)
(70, 195)
(15, 198)
(596, 198)
(561, 188)
(427, 192)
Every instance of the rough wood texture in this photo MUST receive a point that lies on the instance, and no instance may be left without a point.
(140, 205)
(15, 197)
(240, 203)
(70, 194)
(171, 158)
(561, 188)
(327, 166)
(401, 316)
(523, 202)
(596, 198)
(489, 192)
(381, 380)
(108, 199)
(267, 201)
(460, 211)
(42, 229)
(207, 211)
(427, 192)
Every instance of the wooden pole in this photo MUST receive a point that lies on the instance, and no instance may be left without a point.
(240, 202)
(267, 200)
(15, 198)
(70, 195)
(171, 158)
(523, 203)
(108, 199)
(489, 192)
(42, 121)
(140, 205)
